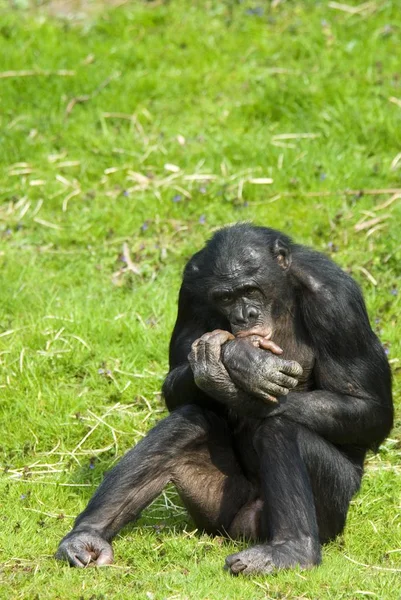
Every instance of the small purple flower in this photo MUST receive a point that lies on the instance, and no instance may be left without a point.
(386, 351)
(100, 371)
(145, 226)
(177, 198)
(377, 320)
(257, 11)
(125, 193)
(394, 292)
(202, 219)
(322, 176)
(202, 189)
(22, 497)
(91, 466)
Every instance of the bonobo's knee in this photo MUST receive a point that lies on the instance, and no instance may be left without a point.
(274, 432)
(184, 425)
(188, 417)
(188, 412)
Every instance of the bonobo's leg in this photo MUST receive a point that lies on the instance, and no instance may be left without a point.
(213, 486)
(335, 478)
(190, 448)
(307, 485)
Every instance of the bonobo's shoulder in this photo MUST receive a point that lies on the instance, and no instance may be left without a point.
(327, 290)
(326, 272)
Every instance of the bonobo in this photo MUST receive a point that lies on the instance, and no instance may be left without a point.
(277, 389)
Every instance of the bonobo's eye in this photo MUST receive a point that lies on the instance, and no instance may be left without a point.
(224, 298)
(250, 291)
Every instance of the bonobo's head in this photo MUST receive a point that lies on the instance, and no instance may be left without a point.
(241, 274)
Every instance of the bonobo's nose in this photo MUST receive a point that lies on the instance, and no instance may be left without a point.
(252, 314)
(245, 316)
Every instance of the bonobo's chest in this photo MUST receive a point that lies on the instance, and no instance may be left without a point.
(295, 345)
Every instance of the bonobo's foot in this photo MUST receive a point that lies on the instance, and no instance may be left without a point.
(85, 548)
(268, 558)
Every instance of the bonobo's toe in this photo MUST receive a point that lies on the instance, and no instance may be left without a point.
(267, 558)
(250, 561)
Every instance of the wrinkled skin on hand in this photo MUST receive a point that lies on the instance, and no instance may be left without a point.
(210, 374)
(85, 548)
(223, 364)
(253, 366)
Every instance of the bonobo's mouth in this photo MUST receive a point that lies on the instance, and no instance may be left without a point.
(264, 332)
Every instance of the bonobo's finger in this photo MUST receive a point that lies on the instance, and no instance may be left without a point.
(261, 341)
(193, 355)
(290, 367)
(199, 352)
(284, 380)
(259, 331)
(274, 389)
(268, 398)
(197, 356)
(195, 344)
(254, 340)
(218, 336)
(267, 344)
(208, 345)
(213, 343)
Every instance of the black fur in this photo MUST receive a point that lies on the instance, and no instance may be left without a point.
(279, 472)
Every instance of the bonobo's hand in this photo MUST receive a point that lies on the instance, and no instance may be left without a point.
(85, 548)
(210, 375)
(258, 371)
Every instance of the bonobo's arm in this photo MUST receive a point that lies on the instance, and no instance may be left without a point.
(352, 402)
(179, 387)
(234, 372)
(214, 387)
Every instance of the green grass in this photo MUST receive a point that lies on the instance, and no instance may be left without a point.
(209, 88)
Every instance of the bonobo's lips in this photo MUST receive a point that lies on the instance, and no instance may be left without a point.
(264, 332)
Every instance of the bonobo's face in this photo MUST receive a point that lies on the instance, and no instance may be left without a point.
(245, 308)
(243, 289)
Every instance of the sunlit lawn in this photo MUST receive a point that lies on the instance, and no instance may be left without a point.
(132, 133)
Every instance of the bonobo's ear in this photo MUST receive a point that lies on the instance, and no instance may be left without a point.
(282, 254)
